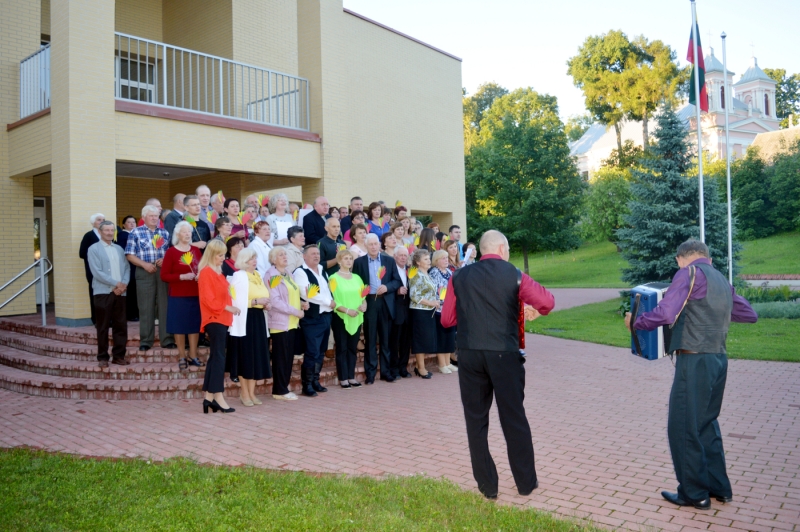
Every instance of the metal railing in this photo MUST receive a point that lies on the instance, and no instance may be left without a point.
(34, 82)
(41, 279)
(162, 74)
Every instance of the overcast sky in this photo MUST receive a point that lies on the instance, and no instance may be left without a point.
(520, 43)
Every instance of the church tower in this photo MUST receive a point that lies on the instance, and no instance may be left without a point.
(715, 85)
(757, 91)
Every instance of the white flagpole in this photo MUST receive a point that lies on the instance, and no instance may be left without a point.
(699, 131)
(727, 158)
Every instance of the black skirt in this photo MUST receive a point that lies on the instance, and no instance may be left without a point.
(423, 331)
(254, 348)
(183, 315)
(445, 337)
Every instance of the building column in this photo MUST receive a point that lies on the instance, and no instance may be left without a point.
(83, 141)
(20, 34)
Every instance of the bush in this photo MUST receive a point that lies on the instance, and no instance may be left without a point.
(778, 310)
(606, 204)
(769, 295)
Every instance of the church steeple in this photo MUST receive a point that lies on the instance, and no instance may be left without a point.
(715, 84)
(757, 90)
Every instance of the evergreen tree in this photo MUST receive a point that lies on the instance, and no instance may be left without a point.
(664, 210)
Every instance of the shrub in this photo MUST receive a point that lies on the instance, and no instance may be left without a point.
(606, 204)
(768, 295)
(778, 310)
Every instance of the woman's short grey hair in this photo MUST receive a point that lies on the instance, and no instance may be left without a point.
(692, 246)
(180, 226)
(147, 209)
(244, 255)
(418, 255)
(93, 218)
(275, 198)
(438, 254)
(372, 236)
(273, 254)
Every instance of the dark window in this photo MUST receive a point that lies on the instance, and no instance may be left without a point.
(766, 104)
(722, 96)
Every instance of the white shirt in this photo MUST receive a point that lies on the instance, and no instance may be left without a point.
(324, 297)
(262, 250)
(402, 272)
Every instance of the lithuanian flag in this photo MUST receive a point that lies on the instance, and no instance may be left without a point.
(701, 67)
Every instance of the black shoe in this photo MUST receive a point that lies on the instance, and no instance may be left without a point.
(345, 386)
(215, 406)
(305, 379)
(234, 379)
(144, 348)
(210, 404)
(170, 346)
(426, 376)
(490, 497)
(355, 385)
(389, 379)
(525, 493)
(674, 498)
(368, 382)
(315, 380)
(454, 362)
(195, 362)
(721, 498)
(202, 342)
(406, 375)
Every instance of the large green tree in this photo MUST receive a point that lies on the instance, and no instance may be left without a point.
(606, 204)
(576, 126)
(526, 183)
(664, 210)
(474, 108)
(787, 94)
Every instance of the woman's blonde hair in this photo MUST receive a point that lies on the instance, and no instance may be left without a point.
(273, 254)
(244, 255)
(436, 256)
(342, 254)
(214, 248)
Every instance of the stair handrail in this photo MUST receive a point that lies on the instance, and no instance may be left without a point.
(42, 277)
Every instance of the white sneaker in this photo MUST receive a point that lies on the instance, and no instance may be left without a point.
(445, 369)
(452, 368)
(288, 397)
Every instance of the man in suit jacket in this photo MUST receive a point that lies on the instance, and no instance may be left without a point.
(176, 215)
(380, 306)
(200, 233)
(110, 276)
(314, 222)
(356, 204)
(89, 239)
(400, 335)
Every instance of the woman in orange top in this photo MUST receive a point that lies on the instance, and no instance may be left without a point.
(217, 313)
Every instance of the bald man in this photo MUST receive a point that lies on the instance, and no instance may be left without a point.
(314, 222)
(178, 211)
(329, 245)
(483, 300)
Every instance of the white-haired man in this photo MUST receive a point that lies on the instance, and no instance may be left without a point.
(146, 252)
(203, 193)
(89, 239)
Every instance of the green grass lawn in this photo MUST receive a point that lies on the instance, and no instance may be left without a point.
(592, 265)
(776, 254)
(42, 491)
(769, 339)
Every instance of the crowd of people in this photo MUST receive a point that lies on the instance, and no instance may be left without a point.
(263, 281)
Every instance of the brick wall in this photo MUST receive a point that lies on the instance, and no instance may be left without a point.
(141, 18)
(265, 34)
(30, 149)
(45, 17)
(202, 25)
(132, 193)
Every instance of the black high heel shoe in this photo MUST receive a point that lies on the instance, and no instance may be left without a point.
(215, 406)
(210, 404)
(426, 376)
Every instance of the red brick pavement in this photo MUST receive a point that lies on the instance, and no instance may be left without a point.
(598, 417)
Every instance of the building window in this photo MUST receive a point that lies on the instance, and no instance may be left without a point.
(766, 104)
(722, 96)
(136, 80)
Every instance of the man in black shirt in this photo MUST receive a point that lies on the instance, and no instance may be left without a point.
(314, 222)
(329, 246)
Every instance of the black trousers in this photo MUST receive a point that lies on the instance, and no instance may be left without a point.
(283, 347)
(132, 303)
(695, 440)
(92, 310)
(110, 312)
(482, 375)
(346, 349)
(316, 332)
(376, 329)
(400, 346)
(214, 381)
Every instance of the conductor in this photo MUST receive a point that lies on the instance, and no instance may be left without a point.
(483, 299)
(700, 305)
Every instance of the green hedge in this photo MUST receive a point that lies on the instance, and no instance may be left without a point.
(776, 310)
(769, 295)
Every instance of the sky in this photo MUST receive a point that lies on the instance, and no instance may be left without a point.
(521, 43)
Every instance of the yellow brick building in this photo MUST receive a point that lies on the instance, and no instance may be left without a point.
(106, 104)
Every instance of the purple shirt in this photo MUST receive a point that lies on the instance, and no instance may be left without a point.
(667, 310)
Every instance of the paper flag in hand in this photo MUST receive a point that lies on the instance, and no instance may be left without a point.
(416, 240)
(313, 290)
(433, 244)
(332, 285)
(398, 203)
(445, 238)
(115, 234)
(381, 272)
(232, 292)
(274, 281)
(365, 291)
(246, 218)
(158, 242)
(412, 272)
(265, 201)
(191, 220)
(442, 293)
(220, 197)
(239, 217)
(187, 258)
(294, 215)
(213, 217)
(340, 247)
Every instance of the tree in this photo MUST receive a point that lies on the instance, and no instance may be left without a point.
(664, 210)
(474, 108)
(576, 126)
(784, 189)
(598, 71)
(653, 81)
(606, 204)
(526, 183)
(750, 186)
(627, 158)
(787, 94)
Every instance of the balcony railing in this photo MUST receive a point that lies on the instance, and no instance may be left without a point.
(34, 82)
(162, 74)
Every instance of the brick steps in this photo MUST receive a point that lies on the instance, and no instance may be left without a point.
(78, 335)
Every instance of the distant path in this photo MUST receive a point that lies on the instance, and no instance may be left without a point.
(574, 297)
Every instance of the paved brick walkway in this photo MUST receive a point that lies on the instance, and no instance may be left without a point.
(598, 417)
(573, 297)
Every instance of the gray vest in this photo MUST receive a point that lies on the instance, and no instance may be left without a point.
(703, 324)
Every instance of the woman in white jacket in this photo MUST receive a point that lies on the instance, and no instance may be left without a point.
(262, 245)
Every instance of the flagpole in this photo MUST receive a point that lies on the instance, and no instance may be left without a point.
(727, 158)
(699, 132)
